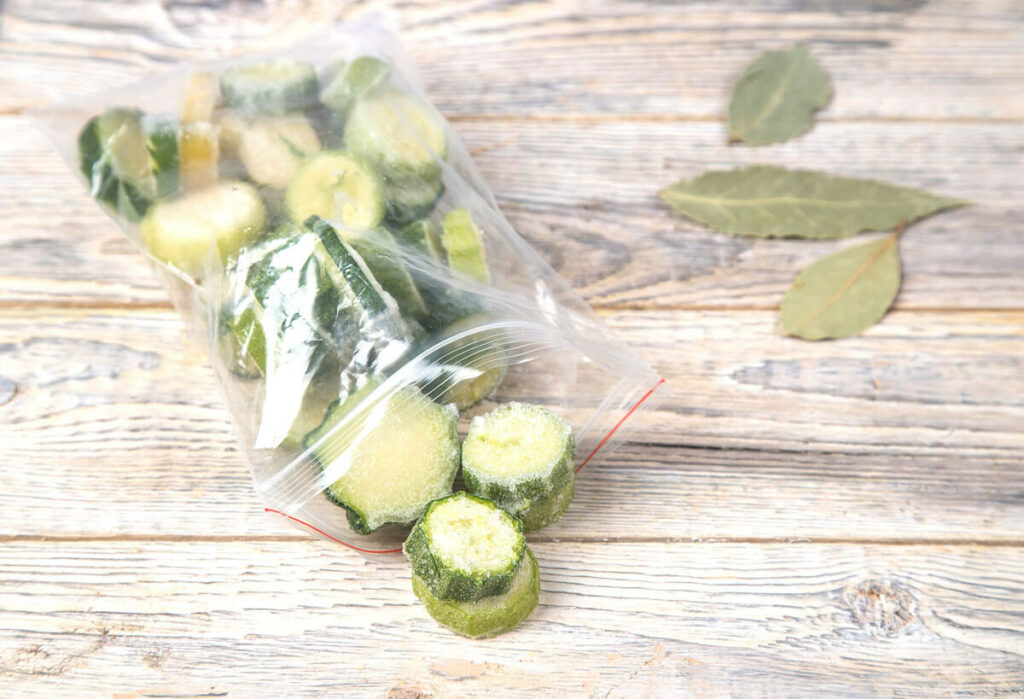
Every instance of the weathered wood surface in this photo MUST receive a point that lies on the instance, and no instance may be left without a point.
(163, 617)
(795, 518)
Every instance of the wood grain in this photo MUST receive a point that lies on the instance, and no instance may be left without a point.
(912, 431)
(896, 59)
(585, 195)
(653, 619)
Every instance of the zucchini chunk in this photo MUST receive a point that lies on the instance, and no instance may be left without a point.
(520, 455)
(411, 196)
(338, 187)
(422, 236)
(199, 145)
(473, 367)
(181, 231)
(389, 459)
(162, 146)
(274, 87)
(397, 133)
(272, 148)
(489, 616)
(548, 509)
(465, 548)
(115, 161)
(464, 243)
(380, 251)
(351, 80)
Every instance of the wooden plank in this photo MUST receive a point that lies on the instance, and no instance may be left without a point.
(594, 214)
(900, 59)
(657, 619)
(912, 431)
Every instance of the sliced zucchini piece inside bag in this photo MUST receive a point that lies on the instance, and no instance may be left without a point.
(488, 616)
(472, 367)
(464, 242)
(466, 548)
(520, 456)
(381, 253)
(396, 132)
(162, 145)
(388, 459)
(114, 159)
(339, 187)
(348, 81)
(181, 231)
(273, 147)
(275, 87)
(411, 196)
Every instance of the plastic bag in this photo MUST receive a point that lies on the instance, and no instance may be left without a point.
(323, 229)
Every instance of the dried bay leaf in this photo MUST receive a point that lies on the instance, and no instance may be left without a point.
(776, 96)
(844, 293)
(766, 201)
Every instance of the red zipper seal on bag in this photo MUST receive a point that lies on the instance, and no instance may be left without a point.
(584, 463)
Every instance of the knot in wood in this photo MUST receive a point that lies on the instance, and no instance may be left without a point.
(882, 607)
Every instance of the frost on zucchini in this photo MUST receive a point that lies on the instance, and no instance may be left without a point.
(465, 548)
(397, 133)
(185, 230)
(489, 616)
(274, 88)
(521, 456)
(386, 458)
(273, 147)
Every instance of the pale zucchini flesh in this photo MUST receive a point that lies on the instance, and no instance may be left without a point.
(338, 187)
(388, 460)
(351, 80)
(272, 148)
(466, 548)
(489, 616)
(517, 455)
(463, 242)
(184, 230)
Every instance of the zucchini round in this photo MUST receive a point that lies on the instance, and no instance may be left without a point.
(489, 616)
(518, 455)
(274, 88)
(410, 196)
(338, 187)
(351, 80)
(273, 147)
(473, 367)
(465, 548)
(392, 458)
(181, 231)
(397, 133)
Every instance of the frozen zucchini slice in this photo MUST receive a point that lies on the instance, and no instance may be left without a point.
(199, 155)
(472, 367)
(275, 87)
(348, 81)
(162, 145)
(381, 253)
(518, 455)
(338, 187)
(548, 509)
(273, 147)
(397, 133)
(465, 548)
(115, 161)
(411, 196)
(181, 231)
(389, 458)
(421, 236)
(489, 616)
(464, 243)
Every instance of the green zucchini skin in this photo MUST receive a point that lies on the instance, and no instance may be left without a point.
(129, 197)
(379, 251)
(517, 494)
(410, 196)
(489, 616)
(549, 509)
(366, 290)
(273, 88)
(162, 145)
(448, 582)
(397, 133)
(349, 81)
(463, 242)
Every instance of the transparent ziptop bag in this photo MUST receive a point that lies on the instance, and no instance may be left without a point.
(320, 225)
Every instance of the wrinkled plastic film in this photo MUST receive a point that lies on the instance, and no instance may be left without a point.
(328, 337)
